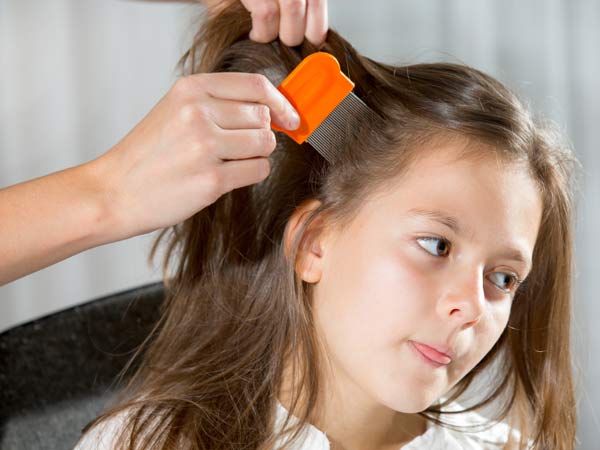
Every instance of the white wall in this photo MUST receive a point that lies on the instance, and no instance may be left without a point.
(76, 75)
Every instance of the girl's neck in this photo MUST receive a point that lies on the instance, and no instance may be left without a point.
(351, 421)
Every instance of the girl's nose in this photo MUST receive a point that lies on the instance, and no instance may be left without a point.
(463, 299)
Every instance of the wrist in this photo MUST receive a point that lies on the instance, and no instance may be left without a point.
(105, 221)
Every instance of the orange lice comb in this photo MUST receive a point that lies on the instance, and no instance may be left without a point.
(322, 95)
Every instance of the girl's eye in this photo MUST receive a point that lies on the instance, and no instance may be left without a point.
(435, 246)
(507, 282)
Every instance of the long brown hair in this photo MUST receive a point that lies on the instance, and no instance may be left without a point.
(235, 309)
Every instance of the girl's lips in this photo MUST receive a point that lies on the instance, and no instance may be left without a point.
(430, 354)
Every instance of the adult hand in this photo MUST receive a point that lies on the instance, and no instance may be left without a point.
(291, 20)
(208, 135)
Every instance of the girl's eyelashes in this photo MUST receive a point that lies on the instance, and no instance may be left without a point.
(440, 247)
(435, 246)
(511, 278)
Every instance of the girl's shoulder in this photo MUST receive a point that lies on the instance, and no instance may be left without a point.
(101, 436)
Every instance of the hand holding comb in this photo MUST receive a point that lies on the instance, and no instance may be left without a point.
(323, 97)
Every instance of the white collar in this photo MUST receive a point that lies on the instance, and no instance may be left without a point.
(435, 437)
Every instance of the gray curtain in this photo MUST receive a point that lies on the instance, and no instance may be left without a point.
(79, 74)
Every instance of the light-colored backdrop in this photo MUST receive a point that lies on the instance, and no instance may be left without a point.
(77, 75)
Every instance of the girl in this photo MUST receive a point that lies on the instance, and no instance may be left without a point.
(349, 305)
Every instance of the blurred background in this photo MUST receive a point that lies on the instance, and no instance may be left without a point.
(77, 75)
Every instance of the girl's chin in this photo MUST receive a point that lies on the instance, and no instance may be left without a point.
(413, 393)
(411, 401)
(411, 406)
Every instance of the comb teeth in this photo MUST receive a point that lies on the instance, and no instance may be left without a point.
(330, 136)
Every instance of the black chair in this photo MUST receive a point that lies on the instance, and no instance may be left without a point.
(57, 372)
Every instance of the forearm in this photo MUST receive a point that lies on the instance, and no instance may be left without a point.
(50, 218)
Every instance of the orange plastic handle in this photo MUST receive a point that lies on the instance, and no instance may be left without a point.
(315, 87)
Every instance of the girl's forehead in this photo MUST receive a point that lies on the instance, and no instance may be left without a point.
(486, 193)
(459, 163)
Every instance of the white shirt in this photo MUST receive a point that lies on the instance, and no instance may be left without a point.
(434, 438)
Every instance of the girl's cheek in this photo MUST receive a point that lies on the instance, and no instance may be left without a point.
(417, 267)
(500, 317)
(489, 330)
(413, 282)
(385, 288)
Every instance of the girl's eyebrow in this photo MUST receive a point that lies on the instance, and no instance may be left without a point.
(439, 216)
(453, 223)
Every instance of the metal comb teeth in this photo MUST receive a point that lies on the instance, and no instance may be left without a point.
(330, 137)
(331, 114)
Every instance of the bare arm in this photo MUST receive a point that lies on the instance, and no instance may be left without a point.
(208, 135)
(48, 219)
(130, 190)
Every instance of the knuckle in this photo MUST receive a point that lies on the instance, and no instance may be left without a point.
(263, 114)
(202, 113)
(267, 141)
(265, 167)
(261, 84)
(181, 86)
(190, 86)
(213, 181)
(187, 113)
(193, 114)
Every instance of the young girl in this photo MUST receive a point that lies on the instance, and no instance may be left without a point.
(349, 305)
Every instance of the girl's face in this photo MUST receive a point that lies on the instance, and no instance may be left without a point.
(432, 262)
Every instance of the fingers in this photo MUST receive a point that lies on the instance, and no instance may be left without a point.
(246, 87)
(265, 19)
(242, 130)
(233, 115)
(316, 22)
(235, 174)
(243, 144)
(293, 21)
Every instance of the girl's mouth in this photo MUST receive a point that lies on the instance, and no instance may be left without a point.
(430, 355)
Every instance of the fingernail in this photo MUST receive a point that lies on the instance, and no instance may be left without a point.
(294, 121)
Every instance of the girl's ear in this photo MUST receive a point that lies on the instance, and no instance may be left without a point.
(308, 264)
